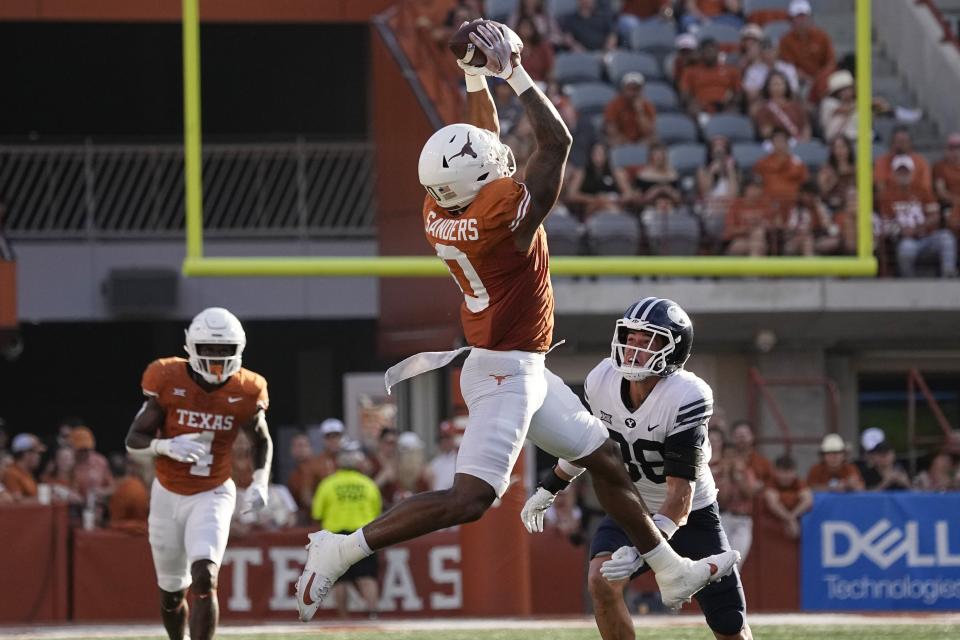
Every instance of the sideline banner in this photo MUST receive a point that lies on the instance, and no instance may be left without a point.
(113, 577)
(882, 551)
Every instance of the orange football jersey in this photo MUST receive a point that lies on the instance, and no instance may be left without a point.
(218, 414)
(507, 295)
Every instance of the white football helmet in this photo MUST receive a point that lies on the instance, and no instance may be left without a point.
(215, 326)
(458, 160)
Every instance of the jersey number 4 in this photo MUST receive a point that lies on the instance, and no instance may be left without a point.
(635, 457)
(475, 295)
(202, 466)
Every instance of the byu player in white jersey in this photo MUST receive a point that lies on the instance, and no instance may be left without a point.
(657, 412)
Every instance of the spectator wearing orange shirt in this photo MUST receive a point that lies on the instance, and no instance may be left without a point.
(787, 496)
(629, 117)
(687, 55)
(736, 487)
(808, 228)
(537, 51)
(910, 216)
(834, 472)
(633, 12)
(780, 109)
(710, 86)
(697, 12)
(130, 502)
(18, 478)
(806, 46)
(782, 171)
(750, 221)
(946, 173)
(901, 144)
(743, 443)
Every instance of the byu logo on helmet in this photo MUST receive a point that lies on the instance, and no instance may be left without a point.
(458, 160)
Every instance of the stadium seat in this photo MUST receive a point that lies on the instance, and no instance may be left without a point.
(620, 62)
(724, 34)
(564, 234)
(675, 127)
(653, 37)
(733, 126)
(663, 96)
(687, 158)
(628, 155)
(884, 128)
(612, 233)
(667, 65)
(749, 6)
(570, 68)
(499, 10)
(813, 153)
(747, 154)
(589, 98)
(674, 234)
(561, 8)
(776, 30)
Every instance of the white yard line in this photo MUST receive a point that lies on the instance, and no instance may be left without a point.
(65, 632)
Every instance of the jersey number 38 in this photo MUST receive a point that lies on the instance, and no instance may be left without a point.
(635, 457)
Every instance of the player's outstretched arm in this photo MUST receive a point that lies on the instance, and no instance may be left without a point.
(544, 171)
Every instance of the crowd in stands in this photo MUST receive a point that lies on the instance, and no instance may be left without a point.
(716, 127)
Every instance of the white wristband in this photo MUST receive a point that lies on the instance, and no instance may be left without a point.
(665, 524)
(475, 83)
(569, 468)
(520, 80)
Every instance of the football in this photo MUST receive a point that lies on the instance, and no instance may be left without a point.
(465, 50)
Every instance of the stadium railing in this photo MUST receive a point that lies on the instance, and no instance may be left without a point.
(298, 189)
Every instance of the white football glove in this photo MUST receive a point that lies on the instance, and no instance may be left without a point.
(624, 562)
(187, 447)
(498, 43)
(534, 508)
(256, 496)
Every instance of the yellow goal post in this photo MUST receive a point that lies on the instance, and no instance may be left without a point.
(197, 263)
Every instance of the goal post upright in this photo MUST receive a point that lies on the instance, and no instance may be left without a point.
(197, 264)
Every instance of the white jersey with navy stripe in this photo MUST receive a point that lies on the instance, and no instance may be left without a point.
(674, 415)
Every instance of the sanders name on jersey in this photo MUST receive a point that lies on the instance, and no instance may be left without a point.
(449, 230)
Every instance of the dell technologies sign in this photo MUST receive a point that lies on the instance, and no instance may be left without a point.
(882, 551)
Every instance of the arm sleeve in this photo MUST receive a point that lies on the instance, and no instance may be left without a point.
(683, 448)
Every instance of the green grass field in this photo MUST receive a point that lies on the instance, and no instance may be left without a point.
(760, 632)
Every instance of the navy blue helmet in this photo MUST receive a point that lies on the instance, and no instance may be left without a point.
(663, 346)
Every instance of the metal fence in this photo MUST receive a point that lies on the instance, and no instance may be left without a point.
(135, 191)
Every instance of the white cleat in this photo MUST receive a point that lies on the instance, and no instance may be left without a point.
(679, 584)
(325, 564)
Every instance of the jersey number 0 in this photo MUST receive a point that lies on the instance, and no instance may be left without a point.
(475, 295)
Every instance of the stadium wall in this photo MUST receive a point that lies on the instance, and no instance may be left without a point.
(914, 39)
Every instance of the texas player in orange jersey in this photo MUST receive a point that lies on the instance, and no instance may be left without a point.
(486, 227)
(194, 410)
